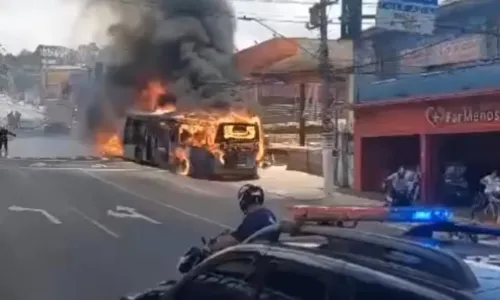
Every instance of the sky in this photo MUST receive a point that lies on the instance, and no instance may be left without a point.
(24, 24)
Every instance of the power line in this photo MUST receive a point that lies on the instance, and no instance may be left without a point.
(315, 55)
(152, 3)
(301, 2)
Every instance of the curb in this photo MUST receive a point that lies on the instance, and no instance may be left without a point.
(291, 198)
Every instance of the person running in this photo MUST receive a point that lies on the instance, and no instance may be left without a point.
(4, 140)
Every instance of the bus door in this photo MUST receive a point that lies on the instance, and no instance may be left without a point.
(130, 135)
(173, 142)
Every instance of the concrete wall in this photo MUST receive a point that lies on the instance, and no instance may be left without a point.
(309, 160)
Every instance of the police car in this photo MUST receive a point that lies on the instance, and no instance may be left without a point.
(320, 254)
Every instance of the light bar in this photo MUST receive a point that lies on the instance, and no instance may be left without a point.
(420, 214)
(318, 214)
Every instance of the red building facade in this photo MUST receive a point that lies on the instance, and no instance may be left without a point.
(416, 132)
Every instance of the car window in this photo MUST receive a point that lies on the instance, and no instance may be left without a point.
(364, 290)
(287, 281)
(230, 280)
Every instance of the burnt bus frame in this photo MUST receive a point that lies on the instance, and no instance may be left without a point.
(154, 138)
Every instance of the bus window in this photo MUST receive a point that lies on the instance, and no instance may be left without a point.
(237, 132)
(184, 136)
(129, 132)
(136, 131)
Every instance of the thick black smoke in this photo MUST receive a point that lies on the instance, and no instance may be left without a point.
(187, 43)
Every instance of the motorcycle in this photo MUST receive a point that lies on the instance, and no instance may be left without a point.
(153, 294)
(390, 201)
(195, 255)
(456, 193)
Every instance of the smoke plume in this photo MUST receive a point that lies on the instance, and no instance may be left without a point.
(186, 43)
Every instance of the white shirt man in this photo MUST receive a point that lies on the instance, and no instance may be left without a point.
(491, 184)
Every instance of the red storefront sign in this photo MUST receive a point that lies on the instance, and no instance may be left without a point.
(440, 116)
(474, 114)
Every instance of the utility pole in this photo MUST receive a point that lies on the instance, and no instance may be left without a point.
(319, 19)
(302, 117)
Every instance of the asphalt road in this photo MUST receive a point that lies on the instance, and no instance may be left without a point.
(83, 228)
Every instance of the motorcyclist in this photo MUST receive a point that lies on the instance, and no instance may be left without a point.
(4, 139)
(251, 200)
(456, 187)
(413, 178)
(398, 187)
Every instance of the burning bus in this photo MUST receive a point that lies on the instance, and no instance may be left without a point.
(204, 144)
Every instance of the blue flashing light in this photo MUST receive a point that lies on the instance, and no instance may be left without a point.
(419, 214)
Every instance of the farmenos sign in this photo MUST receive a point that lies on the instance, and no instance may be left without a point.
(438, 116)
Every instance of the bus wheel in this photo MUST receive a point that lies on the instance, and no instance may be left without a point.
(183, 167)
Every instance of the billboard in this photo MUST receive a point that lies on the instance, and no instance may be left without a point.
(416, 16)
(462, 49)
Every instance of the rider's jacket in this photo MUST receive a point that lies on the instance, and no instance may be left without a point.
(253, 222)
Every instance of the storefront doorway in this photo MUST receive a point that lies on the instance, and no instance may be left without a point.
(382, 156)
(478, 152)
(431, 134)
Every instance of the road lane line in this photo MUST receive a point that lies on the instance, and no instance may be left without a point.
(172, 207)
(76, 169)
(95, 223)
(180, 181)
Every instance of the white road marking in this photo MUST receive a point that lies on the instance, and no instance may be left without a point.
(128, 212)
(77, 169)
(95, 223)
(169, 206)
(50, 217)
(39, 164)
(98, 166)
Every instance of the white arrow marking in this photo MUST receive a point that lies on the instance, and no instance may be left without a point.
(50, 217)
(128, 212)
(99, 166)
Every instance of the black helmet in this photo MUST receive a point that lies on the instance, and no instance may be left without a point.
(250, 194)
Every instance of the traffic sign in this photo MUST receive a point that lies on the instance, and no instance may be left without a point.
(416, 16)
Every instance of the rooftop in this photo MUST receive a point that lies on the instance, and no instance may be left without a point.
(66, 68)
(290, 55)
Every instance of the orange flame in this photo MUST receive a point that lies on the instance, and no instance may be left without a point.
(109, 144)
(149, 99)
(198, 128)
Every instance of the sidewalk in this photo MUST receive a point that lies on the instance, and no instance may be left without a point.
(304, 188)
(301, 188)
